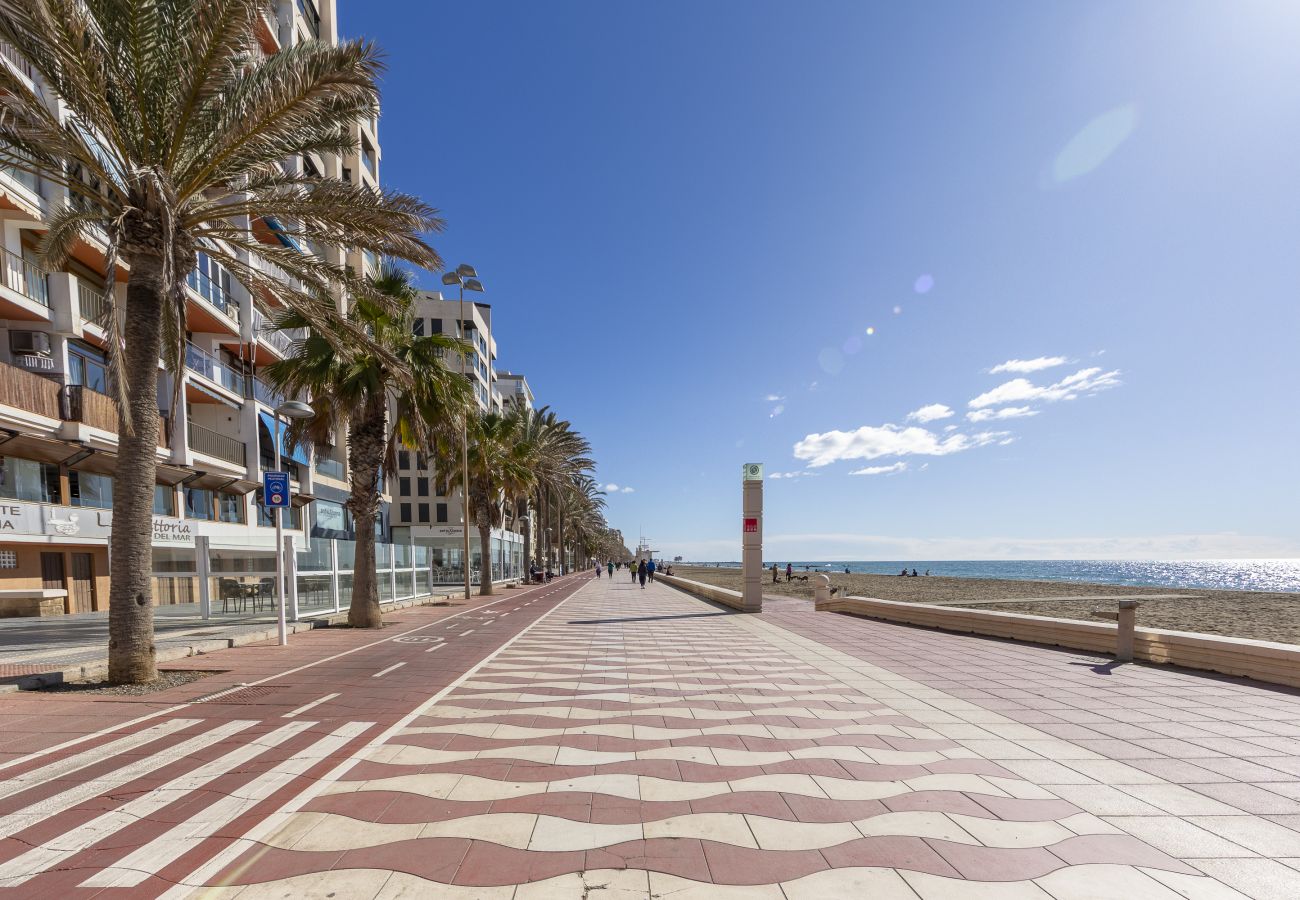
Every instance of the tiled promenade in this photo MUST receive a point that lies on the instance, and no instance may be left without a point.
(618, 743)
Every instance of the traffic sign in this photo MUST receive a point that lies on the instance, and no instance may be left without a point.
(275, 489)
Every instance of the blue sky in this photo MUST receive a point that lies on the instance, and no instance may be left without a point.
(687, 215)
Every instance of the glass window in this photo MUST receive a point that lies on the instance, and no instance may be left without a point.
(405, 512)
(421, 461)
(164, 500)
(417, 326)
(403, 459)
(198, 504)
(89, 489)
(404, 486)
(442, 512)
(266, 515)
(422, 487)
(424, 514)
(230, 508)
(435, 326)
(26, 479)
(86, 366)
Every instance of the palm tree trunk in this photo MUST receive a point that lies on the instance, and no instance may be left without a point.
(485, 569)
(528, 535)
(560, 525)
(366, 443)
(131, 651)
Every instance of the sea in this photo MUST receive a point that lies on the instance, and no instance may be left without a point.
(1215, 574)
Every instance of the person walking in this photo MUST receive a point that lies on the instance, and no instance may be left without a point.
(631, 567)
(597, 571)
(650, 571)
(789, 571)
(641, 573)
(611, 570)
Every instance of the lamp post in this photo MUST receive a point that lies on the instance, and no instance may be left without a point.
(289, 409)
(467, 279)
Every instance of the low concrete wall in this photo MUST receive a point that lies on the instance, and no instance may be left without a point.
(707, 591)
(1262, 660)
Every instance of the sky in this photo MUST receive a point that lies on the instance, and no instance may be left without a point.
(995, 280)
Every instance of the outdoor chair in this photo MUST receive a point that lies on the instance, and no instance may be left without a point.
(265, 591)
(230, 592)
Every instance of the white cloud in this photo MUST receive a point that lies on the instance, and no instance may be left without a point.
(624, 490)
(776, 411)
(949, 428)
(612, 488)
(931, 413)
(881, 470)
(789, 475)
(1020, 390)
(1007, 412)
(1025, 366)
(873, 442)
(774, 398)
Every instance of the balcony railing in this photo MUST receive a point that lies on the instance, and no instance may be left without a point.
(214, 293)
(29, 392)
(211, 368)
(214, 443)
(283, 340)
(309, 13)
(266, 267)
(26, 278)
(79, 403)
(9, 52)
(93, 302)
(264, 393)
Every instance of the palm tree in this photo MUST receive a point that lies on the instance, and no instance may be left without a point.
(392, 391)
(497, 467)
(169, 140)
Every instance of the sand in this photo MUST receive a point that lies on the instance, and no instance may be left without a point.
(1249, 614)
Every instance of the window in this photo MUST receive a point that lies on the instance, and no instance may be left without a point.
(424, 514)
(417, 326)
(403, 459)
(442, 512)
(422, 486)
(421, 461)
(404, 486)
(8, 559)
(89, 489)
(86, 366)
(404, 512)
(198, 504)
(435, 326)
(230, 508)
(26, 479)
(164, 500)
(266, 515)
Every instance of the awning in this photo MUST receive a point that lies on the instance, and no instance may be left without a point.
(209, 392)
(298, 453)
(286, 239)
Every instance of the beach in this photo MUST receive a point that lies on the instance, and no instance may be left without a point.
(1248, 614)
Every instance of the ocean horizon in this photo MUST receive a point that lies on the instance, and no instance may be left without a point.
(1215, 574)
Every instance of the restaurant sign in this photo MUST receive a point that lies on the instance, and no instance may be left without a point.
(81, 522)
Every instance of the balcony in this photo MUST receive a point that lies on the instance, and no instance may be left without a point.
(9, 53)
(310, 16)
(26, 278)
(26, 391)
(264, 393)
(282, 341)
(211, 368)
(213, 293)
(78, 403)
(218, 445)
(270, 269)
(93, 303)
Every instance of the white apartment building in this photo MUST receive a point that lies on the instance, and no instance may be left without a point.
(426, 508)
(58, 439)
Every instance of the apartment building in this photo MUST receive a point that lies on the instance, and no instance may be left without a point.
(514, 390)
(58, 439)
(426, 508)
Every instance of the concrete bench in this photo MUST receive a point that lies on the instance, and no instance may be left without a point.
(31, 602)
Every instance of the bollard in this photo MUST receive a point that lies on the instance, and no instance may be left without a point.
(821, 589)
(1127, 622)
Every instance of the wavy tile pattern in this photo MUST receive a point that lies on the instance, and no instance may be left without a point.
(626, 746)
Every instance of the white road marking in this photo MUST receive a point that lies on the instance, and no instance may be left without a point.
(382, 672)
(463, 633)
(43, 809)
(156, 855)
(46, 857)
(435, 647)
(272, 823)
(302, 709)
(90, 757)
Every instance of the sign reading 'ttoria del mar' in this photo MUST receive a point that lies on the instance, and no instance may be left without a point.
(81, 522)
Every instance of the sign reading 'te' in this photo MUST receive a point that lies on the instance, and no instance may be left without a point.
(751, 526)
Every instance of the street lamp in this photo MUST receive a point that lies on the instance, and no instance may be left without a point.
(466, 278)
(289, 409)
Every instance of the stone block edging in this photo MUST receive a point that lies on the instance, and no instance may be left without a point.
(1265, 661)
(722, 595)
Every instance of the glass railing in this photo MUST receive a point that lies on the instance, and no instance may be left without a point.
(330, 467)
(214, 293)
(264, 393)
(207, 365)
(26, 278)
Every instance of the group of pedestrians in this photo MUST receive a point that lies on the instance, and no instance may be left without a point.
(642, 571)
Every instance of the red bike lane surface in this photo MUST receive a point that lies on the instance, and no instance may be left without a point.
(125, 796)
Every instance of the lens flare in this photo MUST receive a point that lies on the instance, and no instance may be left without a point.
(831, 361)
(852, 345)
(870, 330)
(898, 310)
(923, 284)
